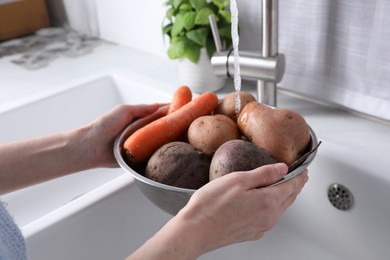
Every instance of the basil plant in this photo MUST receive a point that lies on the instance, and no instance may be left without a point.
(187, 25)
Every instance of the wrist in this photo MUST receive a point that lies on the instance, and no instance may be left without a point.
(197, 228)
(82, 148)
(178, 239)
(187, 236)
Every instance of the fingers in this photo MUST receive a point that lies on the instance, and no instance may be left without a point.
(293, 187)
(282, 195)
(124, 114)
(266, 175)
(141, 110)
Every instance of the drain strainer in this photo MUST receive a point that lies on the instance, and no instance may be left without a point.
(340, 197)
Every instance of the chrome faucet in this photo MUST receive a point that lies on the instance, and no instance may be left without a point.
(266, 67)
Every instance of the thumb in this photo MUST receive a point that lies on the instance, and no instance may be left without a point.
(267, 174)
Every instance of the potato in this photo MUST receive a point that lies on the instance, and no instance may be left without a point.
(280, 131)
(227, 105)
(179, 164)
(208, 133)
(238, 155)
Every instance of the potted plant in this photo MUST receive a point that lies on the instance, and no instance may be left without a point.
(186, 23)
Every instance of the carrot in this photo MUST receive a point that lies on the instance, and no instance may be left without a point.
(143, 121)
(182, 96)
(145, 141)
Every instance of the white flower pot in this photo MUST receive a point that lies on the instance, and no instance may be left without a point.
(199, 77)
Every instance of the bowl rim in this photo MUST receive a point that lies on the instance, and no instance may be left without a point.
(298, 170)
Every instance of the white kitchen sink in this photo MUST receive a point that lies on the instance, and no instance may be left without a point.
(101, 214)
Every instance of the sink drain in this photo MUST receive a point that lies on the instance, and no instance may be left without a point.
(340, 197)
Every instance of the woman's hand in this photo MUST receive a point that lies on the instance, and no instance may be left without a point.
(237, 208)
(234, 208)
(102, 132)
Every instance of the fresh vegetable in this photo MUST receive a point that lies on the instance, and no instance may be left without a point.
(238, 155)
(145, 141)
(281, 132)
(227, 105)
(182, 96)
(208, 133)
(141, 122)
(179, 164)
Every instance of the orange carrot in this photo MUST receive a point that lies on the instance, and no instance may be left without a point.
(146, 140)
(182, 96)
(143, 121)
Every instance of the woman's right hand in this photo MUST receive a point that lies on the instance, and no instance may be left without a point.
(237, 207)
(240, 206)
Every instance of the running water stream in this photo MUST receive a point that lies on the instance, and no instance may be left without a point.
(235, 39)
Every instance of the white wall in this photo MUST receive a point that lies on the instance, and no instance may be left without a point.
(321, 40)
(136, 24)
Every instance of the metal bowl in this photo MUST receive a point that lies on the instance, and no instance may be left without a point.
(172, 199)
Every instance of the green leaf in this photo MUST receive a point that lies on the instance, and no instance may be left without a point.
(167, 29)
(177, 48)
(226, 15)
(189, 20)
(202, 17)
(168, 3)
(219, 3)
(198, 36)
(198, 4)
(177, 3)
(193, 53)
(178, 25)
(170, 14)
(225, 32)
(226, 3)
(185, 7)
(210, 47)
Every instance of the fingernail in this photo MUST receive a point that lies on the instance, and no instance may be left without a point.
(281, 168)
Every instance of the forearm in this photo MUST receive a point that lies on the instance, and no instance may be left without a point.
(36, 160)
(179, 239)
(32, 161)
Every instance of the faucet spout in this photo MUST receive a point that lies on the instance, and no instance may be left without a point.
(267, 67)
(266, 90)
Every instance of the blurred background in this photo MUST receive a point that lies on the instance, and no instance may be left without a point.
(337, 51)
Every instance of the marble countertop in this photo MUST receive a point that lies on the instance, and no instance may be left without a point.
(353, 131)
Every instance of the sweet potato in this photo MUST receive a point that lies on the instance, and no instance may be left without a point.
(179, 164)
(208, 133)
(280, 131)
(238, 155)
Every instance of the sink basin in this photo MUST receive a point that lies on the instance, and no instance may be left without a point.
(359, 233)
(101, 214)
(312, 228)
